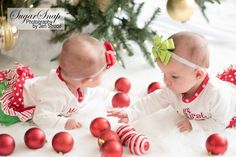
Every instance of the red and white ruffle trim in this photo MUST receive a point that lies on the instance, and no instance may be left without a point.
(12, 99)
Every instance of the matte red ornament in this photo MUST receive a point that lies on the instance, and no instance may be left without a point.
(108, 136)
(216, 144)
(123, 84)
(153, 86)
(120, 100)
(98, 126)
(112, 149)
(62, 142)
(34, 138)
(7, 144)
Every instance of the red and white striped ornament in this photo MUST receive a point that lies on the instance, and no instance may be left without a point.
(125, 132)
(138, 144)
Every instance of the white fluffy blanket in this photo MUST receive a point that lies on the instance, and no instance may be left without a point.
(165, 139)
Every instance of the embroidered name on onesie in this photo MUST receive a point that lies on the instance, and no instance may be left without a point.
(199, 116)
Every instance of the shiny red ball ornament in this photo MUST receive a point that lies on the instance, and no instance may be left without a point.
(98, 126)
(216, 144)
(112, 149)
(123, 84)
(7, 144)
(35, 138)
(108, 136)
(62, 142)
(153, 86)
(120, 100)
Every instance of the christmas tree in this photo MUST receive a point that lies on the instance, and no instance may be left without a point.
(103, 14)
(113, 20)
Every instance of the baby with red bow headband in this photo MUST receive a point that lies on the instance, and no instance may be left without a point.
(51, 100)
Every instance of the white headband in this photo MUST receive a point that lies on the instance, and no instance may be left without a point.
(91, 76)
(186, 62)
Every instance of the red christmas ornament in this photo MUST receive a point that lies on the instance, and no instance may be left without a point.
(112, 149)
(216, 144)
(7, 144)
(138, 144)
(62, 142)
(108, 136)
(153, 86)
(99, 125)
(34, 138)
(123, 84)
(120, 100)
(125, 132)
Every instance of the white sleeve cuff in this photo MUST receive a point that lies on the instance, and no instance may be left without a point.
(60, 124)
(195, 126)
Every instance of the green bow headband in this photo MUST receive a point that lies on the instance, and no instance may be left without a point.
(162, 49)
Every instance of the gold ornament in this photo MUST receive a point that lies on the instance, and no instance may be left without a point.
(181, 10)
(8, 34)
(103, 4)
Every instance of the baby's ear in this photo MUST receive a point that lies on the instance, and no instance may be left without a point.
(200, 73)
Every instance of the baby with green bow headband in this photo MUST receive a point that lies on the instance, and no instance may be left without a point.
(181, 59)
(201, 100)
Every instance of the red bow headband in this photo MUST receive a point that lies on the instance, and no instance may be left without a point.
(110, 54)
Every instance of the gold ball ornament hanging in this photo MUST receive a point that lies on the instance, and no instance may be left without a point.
(103, 4)
(8, 34)
(181, 10)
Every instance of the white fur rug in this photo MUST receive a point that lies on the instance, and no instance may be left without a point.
(165, 139)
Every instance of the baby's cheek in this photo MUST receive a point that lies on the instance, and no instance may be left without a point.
(178, 88)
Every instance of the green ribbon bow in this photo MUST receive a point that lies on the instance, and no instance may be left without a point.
(162, 49)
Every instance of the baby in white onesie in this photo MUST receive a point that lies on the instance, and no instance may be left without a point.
(50, 100)
(204, 101)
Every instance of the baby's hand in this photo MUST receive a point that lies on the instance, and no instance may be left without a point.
(122, 115)
(184, 125)
(72, 124)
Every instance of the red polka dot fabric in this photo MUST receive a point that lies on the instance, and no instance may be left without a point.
(229, 74)
(12, 99)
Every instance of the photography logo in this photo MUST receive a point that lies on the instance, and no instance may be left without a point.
(36, 18)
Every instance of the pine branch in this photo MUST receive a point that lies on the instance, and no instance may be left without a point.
(202, 6)
(154, 15)
(139, 9)
(147, 54)
(59, 35)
